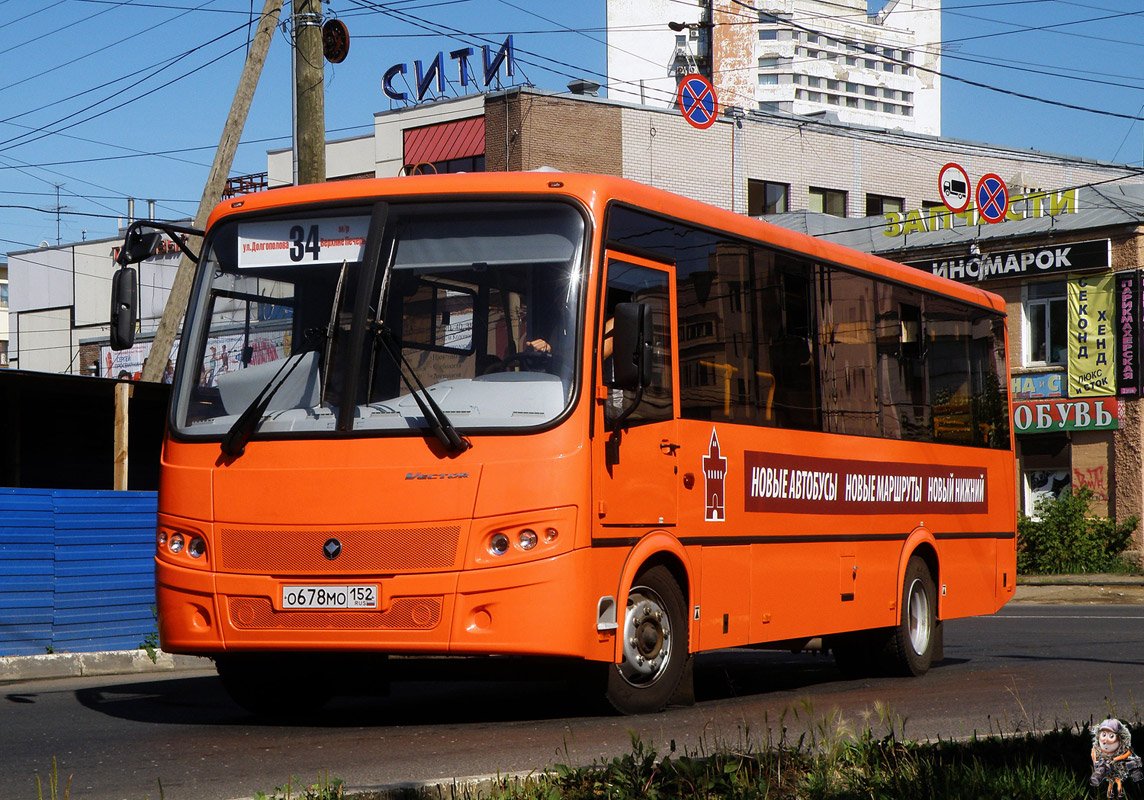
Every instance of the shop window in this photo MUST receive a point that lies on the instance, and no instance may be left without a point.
(765, 197)
(878, 204)
(1046, 317)
(1046, 470)
(827, 201)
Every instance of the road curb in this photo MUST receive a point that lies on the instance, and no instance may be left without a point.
(80, 665)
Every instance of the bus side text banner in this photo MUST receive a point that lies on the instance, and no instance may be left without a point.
(794, 484)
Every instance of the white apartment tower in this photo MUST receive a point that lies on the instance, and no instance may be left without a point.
(796, 56)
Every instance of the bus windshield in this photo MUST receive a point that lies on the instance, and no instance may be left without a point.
(477, 302)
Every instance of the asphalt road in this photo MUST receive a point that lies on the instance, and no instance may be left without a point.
(1028, 667)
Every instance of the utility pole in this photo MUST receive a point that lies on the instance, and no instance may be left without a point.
(212, 192)
(309, 90)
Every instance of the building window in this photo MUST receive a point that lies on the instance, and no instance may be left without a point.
(3, 353)
(765, 197)
(3, 294)
(1046, 323)
(878, 204)
(769, 62)
(811, 80)
(852, 102)
(828, 201)
(768, 35)
(768, 79)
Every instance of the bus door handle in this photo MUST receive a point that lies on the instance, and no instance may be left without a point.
(668, 448)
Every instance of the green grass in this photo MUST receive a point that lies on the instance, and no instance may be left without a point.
(829, 760)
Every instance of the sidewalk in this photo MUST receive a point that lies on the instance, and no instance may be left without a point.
(1096, 589)
(1031, 589)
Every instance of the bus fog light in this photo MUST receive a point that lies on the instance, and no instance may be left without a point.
(176, 543)
(162, 538)
(498, 544)
(527, 539)
(197, 548)
(550, 534)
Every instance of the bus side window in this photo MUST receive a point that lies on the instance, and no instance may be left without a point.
(628, 283)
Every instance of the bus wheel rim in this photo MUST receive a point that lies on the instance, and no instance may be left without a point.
(918, 617)
(647, 638)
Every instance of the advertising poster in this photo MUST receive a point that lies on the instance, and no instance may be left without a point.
(1092, 336)
(1128, 328)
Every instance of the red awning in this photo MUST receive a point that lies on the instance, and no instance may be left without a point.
(460, 139)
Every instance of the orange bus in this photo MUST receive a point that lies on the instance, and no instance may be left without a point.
(547, 414)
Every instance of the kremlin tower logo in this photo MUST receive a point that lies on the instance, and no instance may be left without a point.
(714, 480)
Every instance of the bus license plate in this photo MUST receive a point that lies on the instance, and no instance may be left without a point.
(330, 597)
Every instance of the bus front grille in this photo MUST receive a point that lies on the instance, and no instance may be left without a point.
(405, 613)
(284, 551)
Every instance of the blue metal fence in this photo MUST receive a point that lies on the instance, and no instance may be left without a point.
(76, 570)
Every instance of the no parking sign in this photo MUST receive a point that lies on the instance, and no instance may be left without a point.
(697, 101)
(992, 198)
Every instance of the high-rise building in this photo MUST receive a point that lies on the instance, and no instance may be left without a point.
(797, 56)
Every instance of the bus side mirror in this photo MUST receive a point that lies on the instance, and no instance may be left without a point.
(124, 308)
(138, 246)
(632, 346)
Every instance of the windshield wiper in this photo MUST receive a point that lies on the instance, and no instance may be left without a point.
(436, 418)
(235, 440)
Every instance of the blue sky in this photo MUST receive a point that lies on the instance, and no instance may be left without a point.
(105, 99)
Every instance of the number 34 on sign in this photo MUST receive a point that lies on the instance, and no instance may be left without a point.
(287, 242)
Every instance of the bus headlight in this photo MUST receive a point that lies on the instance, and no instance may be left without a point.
(527, 539)
(175, 543)
(197, 548)
(498, 544)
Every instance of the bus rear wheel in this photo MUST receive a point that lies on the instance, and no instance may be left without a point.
(908, 648)
(911, 648)
(655, 646)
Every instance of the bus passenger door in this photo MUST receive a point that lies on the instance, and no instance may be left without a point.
(635, 457)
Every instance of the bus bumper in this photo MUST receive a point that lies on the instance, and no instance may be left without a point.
(543, 607)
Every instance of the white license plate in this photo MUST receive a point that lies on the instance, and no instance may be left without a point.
(330, 597)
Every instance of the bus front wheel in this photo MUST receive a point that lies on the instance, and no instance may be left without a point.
(655, 645)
